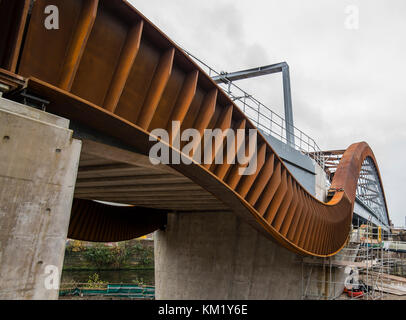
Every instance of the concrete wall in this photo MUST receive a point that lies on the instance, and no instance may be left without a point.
(216, 256)
(38, 167)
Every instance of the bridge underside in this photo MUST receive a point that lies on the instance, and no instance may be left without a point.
(118, 176)
(115, 175)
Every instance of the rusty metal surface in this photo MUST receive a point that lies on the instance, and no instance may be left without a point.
(340, 164)
(10, 82)
(111, 69)
(13, 16)
(99, 222)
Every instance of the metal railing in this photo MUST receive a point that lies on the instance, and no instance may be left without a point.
(266, 120)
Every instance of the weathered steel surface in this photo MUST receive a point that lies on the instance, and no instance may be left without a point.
(13, 16)
(111, 69)
(99, 222)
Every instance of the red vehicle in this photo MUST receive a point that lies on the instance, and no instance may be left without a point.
(354, 293)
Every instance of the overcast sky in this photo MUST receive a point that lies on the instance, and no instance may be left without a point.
(348, 84)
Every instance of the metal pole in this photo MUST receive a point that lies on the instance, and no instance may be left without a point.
(290, 137)
(283, 67)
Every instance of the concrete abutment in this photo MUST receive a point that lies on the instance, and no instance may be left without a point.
(38, 168)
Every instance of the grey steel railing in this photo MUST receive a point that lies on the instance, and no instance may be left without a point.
(264, 118)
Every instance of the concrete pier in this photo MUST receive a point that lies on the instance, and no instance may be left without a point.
(38, 168)
(217, 256)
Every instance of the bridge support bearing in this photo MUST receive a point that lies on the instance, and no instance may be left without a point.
(38, 168)
(218, 256)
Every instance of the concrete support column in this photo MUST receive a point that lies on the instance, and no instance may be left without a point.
(38, 167)
(217, 256)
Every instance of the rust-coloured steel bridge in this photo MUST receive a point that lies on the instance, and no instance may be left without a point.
(111, 71)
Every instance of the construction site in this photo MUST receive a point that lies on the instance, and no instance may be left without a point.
(372, 266)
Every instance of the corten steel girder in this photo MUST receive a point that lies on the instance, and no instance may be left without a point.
(109, 68)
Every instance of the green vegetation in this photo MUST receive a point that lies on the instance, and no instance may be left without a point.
(126, 255)
(145, 255)
(99, 255)
(138, 281)
(95, 282)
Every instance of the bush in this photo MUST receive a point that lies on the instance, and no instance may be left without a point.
(121, 254)
(74, 246)
(102, 256)
(138, 281)
(95, 282)
(145, 256)
(99, 255)
(115, 257)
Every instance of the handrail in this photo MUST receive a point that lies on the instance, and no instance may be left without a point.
(264, 117)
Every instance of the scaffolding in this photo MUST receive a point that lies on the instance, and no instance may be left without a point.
(370, 267)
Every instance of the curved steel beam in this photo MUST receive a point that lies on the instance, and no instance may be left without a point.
(99, 222)
(160, 85)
